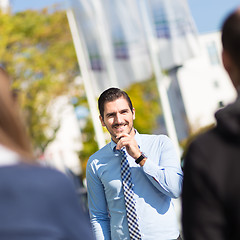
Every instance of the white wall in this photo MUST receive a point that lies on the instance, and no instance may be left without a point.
(62, 152)
(204, 85)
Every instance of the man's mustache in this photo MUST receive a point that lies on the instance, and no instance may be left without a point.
(119, 124)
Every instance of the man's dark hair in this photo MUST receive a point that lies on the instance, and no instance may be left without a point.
(110, 95)
(231, 35)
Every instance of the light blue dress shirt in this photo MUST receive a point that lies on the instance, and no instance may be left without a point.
(154, 184)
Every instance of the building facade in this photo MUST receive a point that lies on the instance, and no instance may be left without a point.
(203, 85)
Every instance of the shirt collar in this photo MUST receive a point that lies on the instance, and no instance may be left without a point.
(8, 157)
(136, 136)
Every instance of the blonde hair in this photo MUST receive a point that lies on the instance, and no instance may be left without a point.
(13, 133)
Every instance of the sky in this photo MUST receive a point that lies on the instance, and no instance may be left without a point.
(207, 14)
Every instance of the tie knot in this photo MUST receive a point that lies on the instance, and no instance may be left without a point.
(123, 151)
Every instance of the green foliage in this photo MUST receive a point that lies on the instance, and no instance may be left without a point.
(88, 135)
(145, 99)
(37, 50)
(89, 144)
(185, 144)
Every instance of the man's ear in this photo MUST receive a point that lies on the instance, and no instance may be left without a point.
(231, 68)
(227, 61)
(101, 120)
(133, 111)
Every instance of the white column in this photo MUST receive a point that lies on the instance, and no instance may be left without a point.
(105, 41)
(153, 49)
(83, 62)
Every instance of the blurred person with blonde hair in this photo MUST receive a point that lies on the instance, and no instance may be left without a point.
(12, 129)
(35, 202)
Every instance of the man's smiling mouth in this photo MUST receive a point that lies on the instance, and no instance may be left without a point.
(119, 126)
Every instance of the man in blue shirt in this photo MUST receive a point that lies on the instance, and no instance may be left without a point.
(155, 171)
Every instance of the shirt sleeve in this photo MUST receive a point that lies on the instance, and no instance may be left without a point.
(97, 204)
(165, 173)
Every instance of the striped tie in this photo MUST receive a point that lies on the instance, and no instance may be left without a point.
(133, 226)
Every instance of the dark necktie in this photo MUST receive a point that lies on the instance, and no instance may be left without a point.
(133, 226)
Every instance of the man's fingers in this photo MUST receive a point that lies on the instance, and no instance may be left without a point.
(124, 141)
(127, 142)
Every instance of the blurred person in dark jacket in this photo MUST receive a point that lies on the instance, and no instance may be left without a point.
(35, 202)
(211, 185)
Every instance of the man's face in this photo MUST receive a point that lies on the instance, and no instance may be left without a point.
(118, 118)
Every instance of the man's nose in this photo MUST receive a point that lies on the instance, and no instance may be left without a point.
(118, 118)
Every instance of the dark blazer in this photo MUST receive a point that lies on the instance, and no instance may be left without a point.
(38, 203)
(211, 184)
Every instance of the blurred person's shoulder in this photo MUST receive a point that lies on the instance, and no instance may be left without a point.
(36, 178)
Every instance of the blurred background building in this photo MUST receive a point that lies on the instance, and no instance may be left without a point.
(63, 151)
(5, 6)
(196, 85)
(203, 85)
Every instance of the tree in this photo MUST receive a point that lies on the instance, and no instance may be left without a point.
(146, 102)
(37, 50)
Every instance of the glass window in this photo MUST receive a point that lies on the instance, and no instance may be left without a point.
(213, 53)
